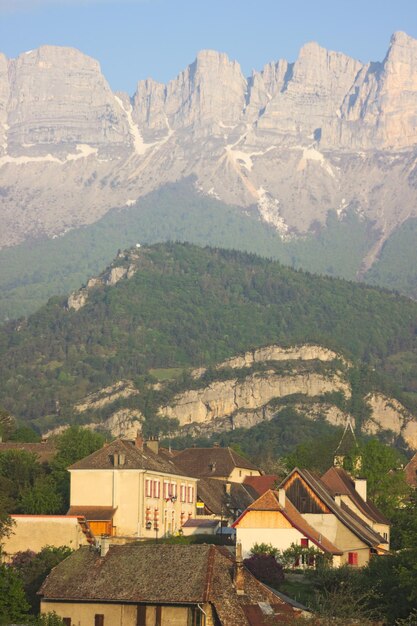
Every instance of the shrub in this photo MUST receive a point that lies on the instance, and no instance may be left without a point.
(266, 569)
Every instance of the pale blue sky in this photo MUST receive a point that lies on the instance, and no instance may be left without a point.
(134, 39)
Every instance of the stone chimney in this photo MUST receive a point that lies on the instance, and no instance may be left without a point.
(361, 487)
(153, 444)
(282, 497)
(139, 440)
(239, 576)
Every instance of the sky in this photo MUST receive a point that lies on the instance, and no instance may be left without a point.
(137, 39)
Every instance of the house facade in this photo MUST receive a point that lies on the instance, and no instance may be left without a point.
(128, 489)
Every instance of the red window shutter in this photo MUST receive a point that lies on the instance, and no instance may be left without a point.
(304, 542)
(353, 558)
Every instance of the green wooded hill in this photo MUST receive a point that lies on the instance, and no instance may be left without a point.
(188, 306)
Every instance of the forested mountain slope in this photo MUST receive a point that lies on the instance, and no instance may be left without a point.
(180, 306)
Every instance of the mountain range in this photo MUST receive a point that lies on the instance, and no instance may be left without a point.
(288, 147)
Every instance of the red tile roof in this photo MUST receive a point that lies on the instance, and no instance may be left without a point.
(44, 451)
(262, 483)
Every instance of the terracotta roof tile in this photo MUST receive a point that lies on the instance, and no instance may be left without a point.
(262, 483)
(214, 494)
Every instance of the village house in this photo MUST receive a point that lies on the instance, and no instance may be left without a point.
(410, 471)
(216, 462)
(128, 489)
(159, 585)
(308, 512)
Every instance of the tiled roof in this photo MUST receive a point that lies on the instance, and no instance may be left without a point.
(45, 451)
(215, 497)
(411, 471)
(360, 529)
(261, 483)
(339, 482)
(201, 523)
(269, 501)
(159, 574)
(93, 513)
(134, 458)
(211, 462)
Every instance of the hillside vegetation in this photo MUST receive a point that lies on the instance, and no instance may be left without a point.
(36, 270)
(186, 307)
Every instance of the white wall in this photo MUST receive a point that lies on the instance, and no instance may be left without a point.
(280, 538)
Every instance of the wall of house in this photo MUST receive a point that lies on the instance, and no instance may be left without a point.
(335, 531)
(33, 532)
(126, 491)
(239, 474)
(280, 538)
(382, 529)
(82, 614)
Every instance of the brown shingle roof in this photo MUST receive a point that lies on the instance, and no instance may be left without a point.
(411, 471)
(339, 481)
(215, 497)
(134, 458)
(93, 513)
(269, 501)
(211, 462)
(44, 451)
(158, 574)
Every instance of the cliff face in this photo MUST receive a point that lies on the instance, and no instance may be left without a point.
(294, 139)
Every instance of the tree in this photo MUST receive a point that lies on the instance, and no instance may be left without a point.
(265, 568)
(41, 499)
(13, 604)
(34, 568)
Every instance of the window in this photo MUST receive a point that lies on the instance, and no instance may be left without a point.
(148, 488)
(98, 619)
(156, 489)
(195, 617)
(385, 535)
(166, 490)
(67, 621)
(182, 493)
(304, 543)
(353, 558)
(190, 494)
(158, 614)
(174, 490)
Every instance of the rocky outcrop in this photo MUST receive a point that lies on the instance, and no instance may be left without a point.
(390, 415)
(110, 277)
(222, 399)
(106, 396)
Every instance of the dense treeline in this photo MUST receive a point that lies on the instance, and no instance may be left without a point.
(188, 306)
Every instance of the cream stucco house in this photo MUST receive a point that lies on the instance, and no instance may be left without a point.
(129, 489)
(308, 512)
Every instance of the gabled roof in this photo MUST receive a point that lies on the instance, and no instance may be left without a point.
(260, 484)
(269, 501)
(213, 493)
(211, 462)
(411, 471)
(134, 458)
(338, 481)
(201, 523)
(359, 528)
(159, 574)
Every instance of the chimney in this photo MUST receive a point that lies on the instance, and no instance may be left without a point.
(239, 576)
(338, 499)
(281, 497)
(153, 444)
(139, 440)
(104, 545)
(361, 487)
